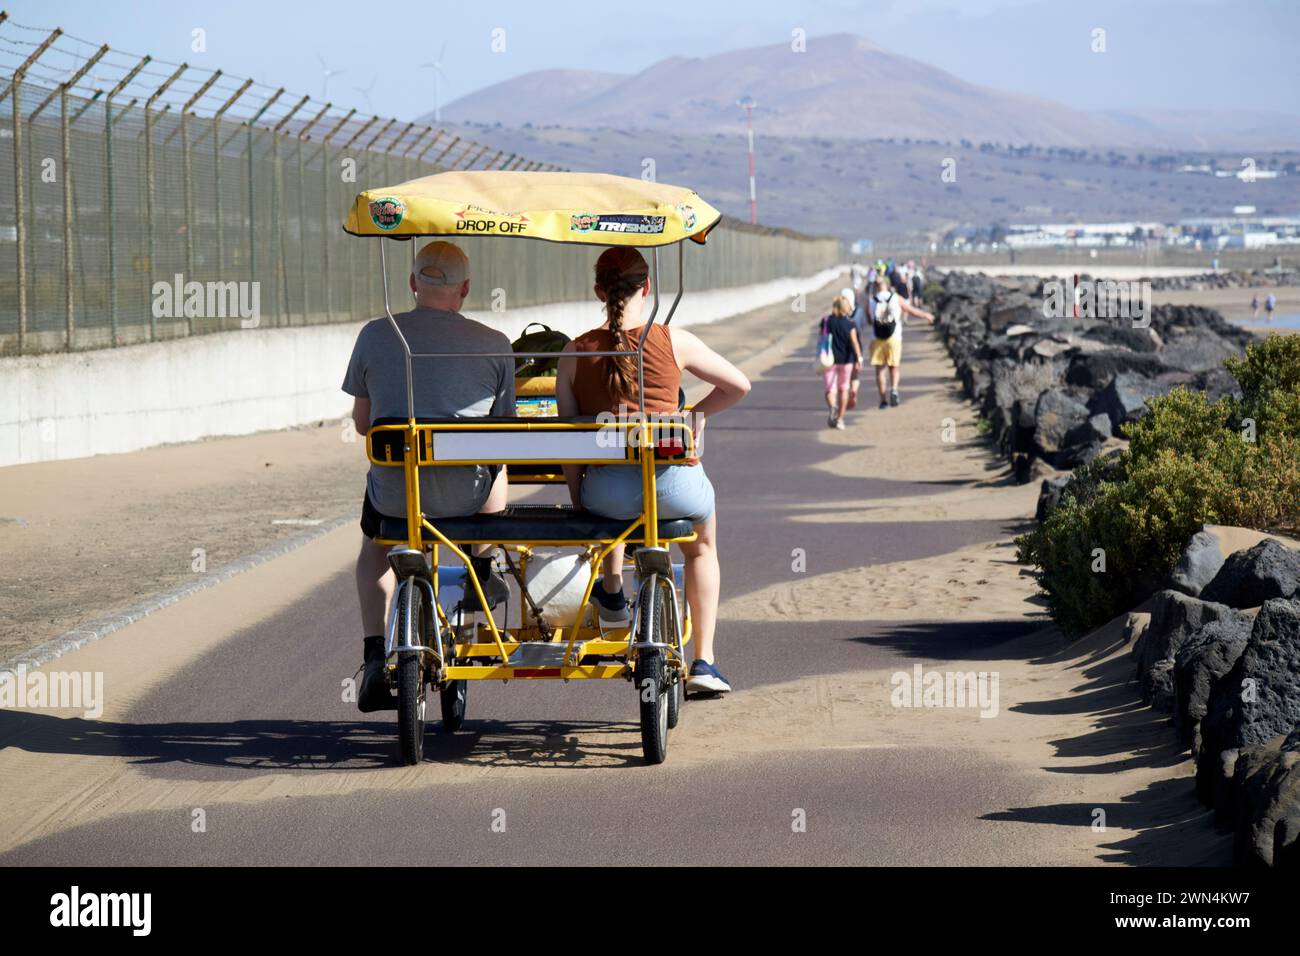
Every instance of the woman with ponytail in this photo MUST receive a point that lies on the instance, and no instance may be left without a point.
(597, 385)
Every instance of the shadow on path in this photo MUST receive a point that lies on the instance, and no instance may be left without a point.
(272, 745)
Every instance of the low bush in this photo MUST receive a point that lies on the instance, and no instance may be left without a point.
(1124, 519)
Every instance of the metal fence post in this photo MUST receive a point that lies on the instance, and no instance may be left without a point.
(252, 215)
(392, 147)
(109, 203)
(325, 214)
(217, 147)
(369, 267)
(438, 159)
(187, 176)
(20, 223)
(420, 139)
(149, 180)
(111, 216)
(277, 234)
(20, 229)
(325, 232)
(65, 159)
(303, 135)
(148, 205)
(252, 199)
(277, 188)
(187, 172)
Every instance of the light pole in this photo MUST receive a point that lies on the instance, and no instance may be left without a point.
(747, 103)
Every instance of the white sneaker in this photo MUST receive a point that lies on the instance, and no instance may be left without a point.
(839, 423)
(706, 678)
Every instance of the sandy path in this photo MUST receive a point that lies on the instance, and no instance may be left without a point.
(230, 701)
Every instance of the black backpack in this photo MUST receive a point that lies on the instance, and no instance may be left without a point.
(883, 328)
(547, 340)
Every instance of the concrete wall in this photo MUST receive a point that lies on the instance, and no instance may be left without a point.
(71, 405)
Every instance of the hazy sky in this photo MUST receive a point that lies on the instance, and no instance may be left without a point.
(1159, 53)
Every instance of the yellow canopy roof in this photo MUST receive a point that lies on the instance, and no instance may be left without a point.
(591, 208)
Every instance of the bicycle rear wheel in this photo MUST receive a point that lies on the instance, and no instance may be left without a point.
(650, 674)
(411, 697)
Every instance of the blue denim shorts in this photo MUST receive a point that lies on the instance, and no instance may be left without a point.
(614, 491)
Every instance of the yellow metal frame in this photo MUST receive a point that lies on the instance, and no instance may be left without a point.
(640, 443)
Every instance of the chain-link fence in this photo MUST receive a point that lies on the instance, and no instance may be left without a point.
(143, 201)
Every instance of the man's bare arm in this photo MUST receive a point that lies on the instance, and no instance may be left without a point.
(361, 414)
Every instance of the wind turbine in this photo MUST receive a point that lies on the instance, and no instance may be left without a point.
(365, 91)
(326, 75)
(438, 76)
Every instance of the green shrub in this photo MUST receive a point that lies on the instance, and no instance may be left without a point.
(1269, 376)
(1270, 366)
(1188, 462)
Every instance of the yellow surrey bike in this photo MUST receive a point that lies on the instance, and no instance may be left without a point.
(551, 630)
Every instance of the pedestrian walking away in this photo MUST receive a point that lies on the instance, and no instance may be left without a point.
(857, 315)
(887, 337)
(846, 349)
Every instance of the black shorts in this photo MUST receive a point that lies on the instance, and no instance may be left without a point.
(370, 516)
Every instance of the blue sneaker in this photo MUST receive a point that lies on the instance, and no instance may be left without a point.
(706, 678)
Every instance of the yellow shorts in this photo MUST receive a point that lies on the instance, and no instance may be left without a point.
(886, 352)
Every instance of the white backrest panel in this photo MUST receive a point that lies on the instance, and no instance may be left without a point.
(606, 444)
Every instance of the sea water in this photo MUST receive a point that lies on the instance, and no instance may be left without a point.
(1291, 320)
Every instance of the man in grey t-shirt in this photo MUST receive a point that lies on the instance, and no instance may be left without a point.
(467, 387)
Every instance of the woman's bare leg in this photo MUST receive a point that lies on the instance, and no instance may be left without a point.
(612, 570)
(703, 586)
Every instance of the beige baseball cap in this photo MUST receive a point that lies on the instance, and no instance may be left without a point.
(441, 263)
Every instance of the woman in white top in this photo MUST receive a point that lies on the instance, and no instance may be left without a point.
(887, 337)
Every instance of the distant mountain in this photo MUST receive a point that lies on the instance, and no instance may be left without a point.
(893, 191)
(1215, 129)
(528, 97)
(843, 87)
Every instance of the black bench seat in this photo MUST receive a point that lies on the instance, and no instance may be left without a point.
(541, 523)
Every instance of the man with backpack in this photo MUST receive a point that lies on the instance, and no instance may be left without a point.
(887, 337)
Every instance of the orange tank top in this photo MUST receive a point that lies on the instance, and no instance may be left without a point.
(662, 376)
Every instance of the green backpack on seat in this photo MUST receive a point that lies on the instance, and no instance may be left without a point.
(546, 340)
